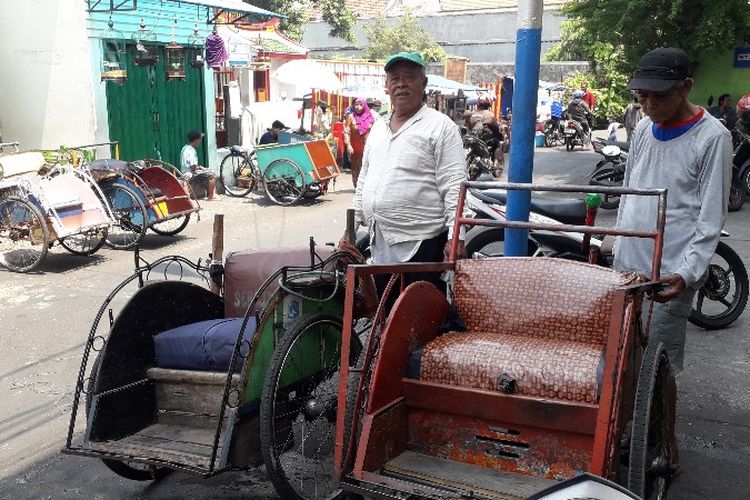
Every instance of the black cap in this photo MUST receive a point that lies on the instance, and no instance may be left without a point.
(660, 70)
(194, 135)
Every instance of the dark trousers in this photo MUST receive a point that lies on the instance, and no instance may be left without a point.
(429, 251)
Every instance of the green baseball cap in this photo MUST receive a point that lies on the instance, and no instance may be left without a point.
(412, 57)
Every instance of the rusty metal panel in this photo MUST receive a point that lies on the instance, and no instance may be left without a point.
(414, 321)
(522, 449)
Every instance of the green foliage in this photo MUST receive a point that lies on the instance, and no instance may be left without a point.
(406, 35)
(336, 14)
(613, 34)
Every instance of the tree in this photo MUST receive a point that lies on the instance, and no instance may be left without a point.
(406, 35)
(335, 13)
(612, 35)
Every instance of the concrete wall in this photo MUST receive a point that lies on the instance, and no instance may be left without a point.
(716, 75)
(481, 36)
(491, 72)
(46, 95)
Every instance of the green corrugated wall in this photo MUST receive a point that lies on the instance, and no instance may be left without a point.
(150, 116)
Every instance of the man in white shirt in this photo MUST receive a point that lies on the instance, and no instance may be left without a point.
(191, 171)
(412, 169)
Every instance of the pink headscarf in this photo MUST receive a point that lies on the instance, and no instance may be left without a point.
(364, 119)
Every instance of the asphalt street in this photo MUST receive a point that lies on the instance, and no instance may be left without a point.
(46, 316)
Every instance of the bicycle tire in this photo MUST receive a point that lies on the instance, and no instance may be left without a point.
(126, 221)
(41, 252)
(227, 169)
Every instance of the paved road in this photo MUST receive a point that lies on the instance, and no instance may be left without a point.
(45, 318)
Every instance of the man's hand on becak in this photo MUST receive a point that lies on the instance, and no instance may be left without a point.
(674, 285)
(351, 249)
(460, 253)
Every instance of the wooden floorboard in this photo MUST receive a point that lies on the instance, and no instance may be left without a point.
(456, 475)
(190, 446)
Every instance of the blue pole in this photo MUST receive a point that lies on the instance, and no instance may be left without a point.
(528, 50)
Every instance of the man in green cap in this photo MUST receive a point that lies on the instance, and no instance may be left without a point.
(412, 169)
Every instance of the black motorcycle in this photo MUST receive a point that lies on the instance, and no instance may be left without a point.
(718, 303)
(553, 133)
(610, 170)
(481, 150)
(575, 138)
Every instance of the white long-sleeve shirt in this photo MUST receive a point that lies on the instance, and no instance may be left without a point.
(410, 179)
(696, 170)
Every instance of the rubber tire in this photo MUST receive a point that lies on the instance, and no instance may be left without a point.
(745, 179)
(234, 191)
(569, 145)
(741, 281)
(172, 232)
(653, 364)
(479, 237)
(144, 215)
(736, 197)
(45, 235)
(607, 172)
(303, 188)
(120, 468)
(93, 250)
(273, 469)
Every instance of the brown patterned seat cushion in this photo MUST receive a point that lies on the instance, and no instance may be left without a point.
(547, 368)
(537, 297)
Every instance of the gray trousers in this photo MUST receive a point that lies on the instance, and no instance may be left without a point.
(668, 326)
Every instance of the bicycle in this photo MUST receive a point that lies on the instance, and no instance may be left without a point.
(239, 172)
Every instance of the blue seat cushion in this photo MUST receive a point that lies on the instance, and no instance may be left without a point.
(206, 345)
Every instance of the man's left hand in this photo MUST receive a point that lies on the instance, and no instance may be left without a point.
(460, 253)
(674, 286)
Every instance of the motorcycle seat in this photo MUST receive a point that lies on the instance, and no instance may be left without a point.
(624, 146)
(565, 210)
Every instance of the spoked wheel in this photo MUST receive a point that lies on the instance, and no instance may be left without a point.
(298, 408)
(722, 299)
(24, 236)
(608, 175)
(171, 227)
(134, 471)
(284, 181)
(650, 470)
(87, 243)
(233, 172)
(131, 218)
(736, 196)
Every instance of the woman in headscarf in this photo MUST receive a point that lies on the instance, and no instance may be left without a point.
(356, 128)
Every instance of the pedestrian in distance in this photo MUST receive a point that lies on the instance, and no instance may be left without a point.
(725, 112)
(271, 136)
(357, 127)
(191, 171)
(632, 115)
(680, 147)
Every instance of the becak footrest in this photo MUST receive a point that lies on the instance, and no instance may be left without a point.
(549, 368)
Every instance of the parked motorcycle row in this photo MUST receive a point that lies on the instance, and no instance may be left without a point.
(610, 169)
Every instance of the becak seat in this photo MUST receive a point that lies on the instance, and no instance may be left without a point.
(534, 327)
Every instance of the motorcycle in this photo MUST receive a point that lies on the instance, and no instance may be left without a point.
(718, 303)
(574, 138)
(610, 170)
(481, 153)
(553, 133)
(741, 165)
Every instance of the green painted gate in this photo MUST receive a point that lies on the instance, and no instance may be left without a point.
(150, 116)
